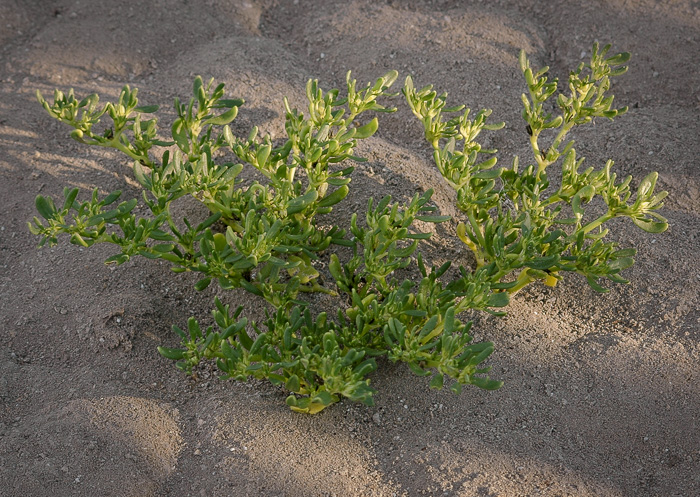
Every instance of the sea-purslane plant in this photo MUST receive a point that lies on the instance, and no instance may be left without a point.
(266, 237)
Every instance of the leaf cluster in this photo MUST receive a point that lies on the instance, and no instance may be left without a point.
(514, 221)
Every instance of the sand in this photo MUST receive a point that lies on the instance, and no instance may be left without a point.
(601, 394)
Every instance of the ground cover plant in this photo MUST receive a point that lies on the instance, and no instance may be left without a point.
(266, 237)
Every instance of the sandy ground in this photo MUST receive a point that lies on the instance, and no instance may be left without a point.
(601, 394)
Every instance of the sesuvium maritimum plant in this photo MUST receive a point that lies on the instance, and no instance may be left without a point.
(515, 221)
(265, 237)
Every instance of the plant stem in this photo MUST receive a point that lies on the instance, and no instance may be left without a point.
(541, 163)
(116, 143)
(480, 259)
(594, 224)
(523, 280)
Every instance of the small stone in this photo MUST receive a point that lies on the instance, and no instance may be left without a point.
(377, 418)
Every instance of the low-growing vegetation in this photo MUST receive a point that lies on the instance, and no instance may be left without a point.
(265, 237)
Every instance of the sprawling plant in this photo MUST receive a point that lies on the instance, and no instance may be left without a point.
(515, 221)
(265, 237)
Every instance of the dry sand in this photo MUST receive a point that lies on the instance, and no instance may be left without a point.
(601, 394)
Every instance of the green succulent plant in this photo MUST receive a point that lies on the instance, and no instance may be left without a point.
(265, 237)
